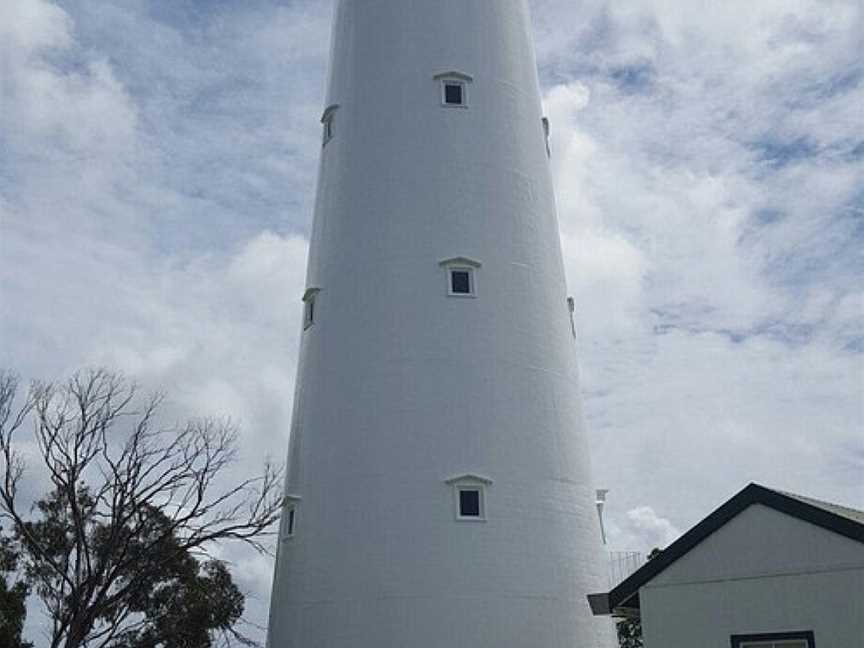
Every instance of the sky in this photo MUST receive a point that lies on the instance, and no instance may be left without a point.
(157, 176)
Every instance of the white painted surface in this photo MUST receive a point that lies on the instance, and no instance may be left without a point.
(401, 386)
(764, 571)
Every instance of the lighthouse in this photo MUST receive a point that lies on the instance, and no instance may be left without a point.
(438, 491)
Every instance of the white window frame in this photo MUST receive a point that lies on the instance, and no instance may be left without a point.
(547, 134)
(291, 505)
(310, 311)
(463, 89)
(327, 120)
(461, 264)
(469, 482)
(472, 281)
(806, 639)
(454, 78)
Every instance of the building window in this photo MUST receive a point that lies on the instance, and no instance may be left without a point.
(546, 133)
(291, 521)
(461, 276)
(454, 93)
(470, 502)
(461, 281)
(289, 516)
(309, 313)
(803, 639)
(309, 307)
(469, 492)
(454, 88)
(327, 121)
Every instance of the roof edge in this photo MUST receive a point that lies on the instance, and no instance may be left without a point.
(628, 590)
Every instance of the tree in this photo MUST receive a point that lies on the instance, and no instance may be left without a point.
(12, 599)
(112, 550)
(630, 629)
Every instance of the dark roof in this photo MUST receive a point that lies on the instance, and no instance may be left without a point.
(843, 511)
(839, 519)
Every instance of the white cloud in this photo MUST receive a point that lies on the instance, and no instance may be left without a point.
(708, 194)
(157, 163)
(644, 529)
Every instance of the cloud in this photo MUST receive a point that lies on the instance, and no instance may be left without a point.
(157, 166)
(641, 528)
(710, 191)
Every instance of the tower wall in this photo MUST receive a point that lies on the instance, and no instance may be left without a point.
(401, 386)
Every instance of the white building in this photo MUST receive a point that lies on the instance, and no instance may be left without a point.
(438, 493)
(765, 570)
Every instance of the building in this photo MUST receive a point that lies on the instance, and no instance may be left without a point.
(765, 570)
(438, 490)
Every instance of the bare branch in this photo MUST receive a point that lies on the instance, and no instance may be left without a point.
(127, 492)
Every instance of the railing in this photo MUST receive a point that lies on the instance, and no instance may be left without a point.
(622, 564)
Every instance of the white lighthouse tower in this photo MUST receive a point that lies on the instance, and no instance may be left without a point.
(438, 491)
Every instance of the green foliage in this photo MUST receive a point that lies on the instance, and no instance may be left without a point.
(630, 630)
(176, 600)
(13, 599)
(184, 602)
(188, 609)
(629, 633)
(113, 550)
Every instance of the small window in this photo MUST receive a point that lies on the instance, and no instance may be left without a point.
(546, 133)
(328, 124)
(289, 516)
(469, 502)
(454, 88)
(469, 492)
(292, 520)
(805, 639)
(454, 93)
(461, 281)
(309, 313)
(461, 276)
(309, 307)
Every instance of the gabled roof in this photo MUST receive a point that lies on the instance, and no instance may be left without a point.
(468, 477)
(329, 110)
(836, 509)
(453, 74)
(839, 519)
(461, 260)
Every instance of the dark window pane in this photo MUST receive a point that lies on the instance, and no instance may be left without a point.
(453, 93)
(469, 503)
(309, 315)
(291, 522)
(461, 282)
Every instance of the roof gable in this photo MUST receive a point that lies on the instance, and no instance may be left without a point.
(840, 520)
(460, 260)
(761, 541)
(468, 478)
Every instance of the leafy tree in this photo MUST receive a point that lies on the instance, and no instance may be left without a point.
(112, 551)
(12, 599)
(630, 629)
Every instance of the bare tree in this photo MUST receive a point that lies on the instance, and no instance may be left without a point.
(129, 500)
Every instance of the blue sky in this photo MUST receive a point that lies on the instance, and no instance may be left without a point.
(157, 172)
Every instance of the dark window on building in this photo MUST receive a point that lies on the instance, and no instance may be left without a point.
(460, 282)
(292, 517)
(309, 313)
(802, 639)
(454, 94)
(469, 503)
(328, 129)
